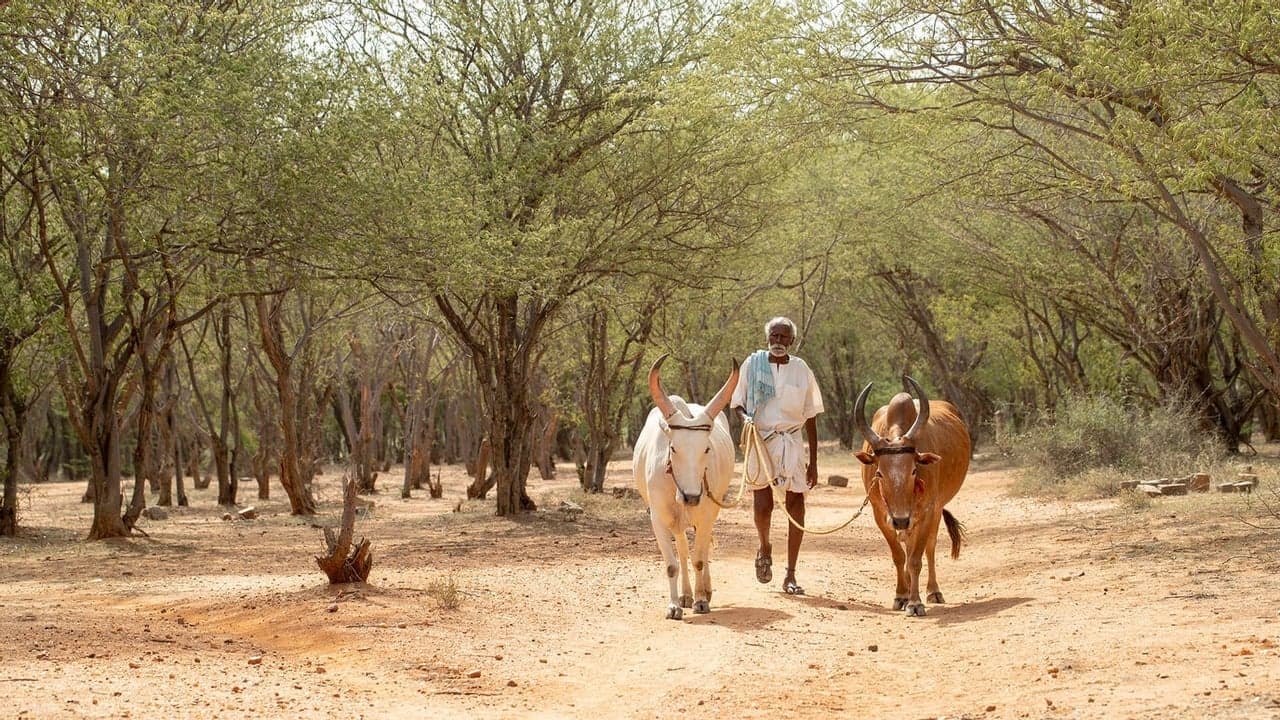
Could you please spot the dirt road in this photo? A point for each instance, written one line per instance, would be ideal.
(1055, 610)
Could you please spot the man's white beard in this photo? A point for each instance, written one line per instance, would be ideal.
(778, 350)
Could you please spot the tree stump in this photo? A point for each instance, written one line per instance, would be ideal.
(435, 488)
(340, 567)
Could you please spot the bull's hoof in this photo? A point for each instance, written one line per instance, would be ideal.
(674, 612)
(899, 603)
(935, 598)
(702, 607)
(915, 610)
(686, 601)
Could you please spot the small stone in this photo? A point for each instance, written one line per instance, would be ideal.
(473, 674)
(838, 481)
(333, 607)
(255, 660)
(511, 683)
(873, 648)
(320, 669)
(248, 513)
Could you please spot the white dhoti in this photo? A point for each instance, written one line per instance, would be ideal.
(787, 463)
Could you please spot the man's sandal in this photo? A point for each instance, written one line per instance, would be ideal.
(789, 585)
(764, 567)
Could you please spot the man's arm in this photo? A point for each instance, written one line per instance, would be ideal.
(811, 434)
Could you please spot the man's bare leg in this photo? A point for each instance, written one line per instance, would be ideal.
(795, 508)
(762, 504)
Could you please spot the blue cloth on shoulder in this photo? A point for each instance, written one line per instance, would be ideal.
(759, 381)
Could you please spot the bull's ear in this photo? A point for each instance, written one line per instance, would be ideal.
(866, 457)
(927, 458)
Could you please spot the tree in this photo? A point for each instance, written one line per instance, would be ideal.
(1161, 104)
(136, 109)
(27, 302)
(587, 146)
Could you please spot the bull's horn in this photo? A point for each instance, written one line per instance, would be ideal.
(860, 418)
(660, 398)
(922, 415)
(721, 399)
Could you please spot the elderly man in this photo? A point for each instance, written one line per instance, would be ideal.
(779, 393)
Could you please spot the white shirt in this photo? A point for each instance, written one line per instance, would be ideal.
(796, 398)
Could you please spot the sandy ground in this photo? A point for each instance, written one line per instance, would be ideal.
(1055, 610)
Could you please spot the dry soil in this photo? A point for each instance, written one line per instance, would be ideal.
(1055, 609)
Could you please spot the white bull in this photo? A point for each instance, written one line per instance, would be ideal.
(684, 452)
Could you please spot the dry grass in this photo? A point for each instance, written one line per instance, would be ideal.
(446, 594)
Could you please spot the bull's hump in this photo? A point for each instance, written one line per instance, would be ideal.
(900, 412)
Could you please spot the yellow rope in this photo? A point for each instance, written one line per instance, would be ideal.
(743, 482)
(753, 444)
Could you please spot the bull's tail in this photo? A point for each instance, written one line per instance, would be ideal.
(955, 529)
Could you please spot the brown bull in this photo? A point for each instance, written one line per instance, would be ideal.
(914, 462)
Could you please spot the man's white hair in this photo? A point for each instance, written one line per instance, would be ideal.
(780, 320)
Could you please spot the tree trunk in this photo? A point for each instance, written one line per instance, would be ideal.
(511, 441)
(9, 506)
(546, 444)
(597, 465)
(482, 480)
(11, 413)
(221, 465)
(164, 479)
(291, 473)
(104, 479)
(268, 439)
(417, 463)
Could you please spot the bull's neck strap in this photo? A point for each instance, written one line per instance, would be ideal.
(895, 450)
(690, 427)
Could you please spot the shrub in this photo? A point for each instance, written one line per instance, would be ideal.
(1094, 442)
(1134, 501)
(445, 593)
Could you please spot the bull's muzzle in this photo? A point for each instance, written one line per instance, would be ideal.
(690, 500)
(901, 523)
